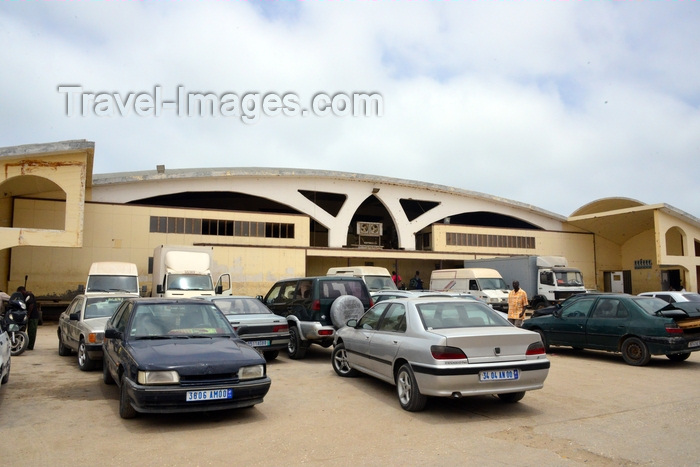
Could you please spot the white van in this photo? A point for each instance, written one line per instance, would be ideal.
(376, 278)
(486, 284)
(112, 276)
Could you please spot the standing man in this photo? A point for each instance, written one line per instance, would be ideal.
(32, 314)
(517, 301)
(416, 283)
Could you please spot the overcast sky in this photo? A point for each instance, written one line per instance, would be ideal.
(550, 103)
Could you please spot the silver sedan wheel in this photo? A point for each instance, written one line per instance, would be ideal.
(410, 397)
(340, 361)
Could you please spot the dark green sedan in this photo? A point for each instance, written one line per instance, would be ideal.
(637, 327)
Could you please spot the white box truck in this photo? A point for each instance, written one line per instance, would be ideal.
(112, 276)
(376, 278)
(186, 271)
(546, 279)
(486, 284)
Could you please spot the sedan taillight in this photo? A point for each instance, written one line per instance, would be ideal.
(673, 329)
(536, 348)
(441, 352)
(280, 328)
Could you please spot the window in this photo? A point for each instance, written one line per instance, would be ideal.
(486, 240)
(578, 309)
(370, 320)
(395, 319)
(221, 228)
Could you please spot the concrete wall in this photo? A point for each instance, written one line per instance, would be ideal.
(121, 233)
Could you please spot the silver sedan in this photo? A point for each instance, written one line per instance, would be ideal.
(254, 323)
(444, 347)
(81, 327)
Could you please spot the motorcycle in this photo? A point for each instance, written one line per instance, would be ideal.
(14, 320)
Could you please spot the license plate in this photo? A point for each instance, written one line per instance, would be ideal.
(499, 375)
(259, 343)
(693, 344)
(211, 394)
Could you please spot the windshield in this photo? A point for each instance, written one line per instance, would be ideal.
(375, 283)
(458, 314)
(569, 278)
(241, 306)
(492, 283)
(101, 307)
(189, 282)
(650, 304)
(112, 284)
(178, 319)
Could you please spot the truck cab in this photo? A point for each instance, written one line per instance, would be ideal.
(486, 284)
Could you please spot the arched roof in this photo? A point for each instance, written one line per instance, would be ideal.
(605, 205)
(289, 186)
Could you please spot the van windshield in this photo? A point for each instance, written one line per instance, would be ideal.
(375, 283)
(112, 284)
(492, 283)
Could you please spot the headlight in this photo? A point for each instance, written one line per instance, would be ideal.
(251, 372)
(158, 377)
(96, 337)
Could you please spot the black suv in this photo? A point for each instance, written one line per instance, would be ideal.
(306, 303)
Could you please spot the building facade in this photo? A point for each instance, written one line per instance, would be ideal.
(266, 224)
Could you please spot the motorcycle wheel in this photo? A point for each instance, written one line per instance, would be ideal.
(19, 340)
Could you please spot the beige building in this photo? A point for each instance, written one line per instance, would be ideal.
(266, 224)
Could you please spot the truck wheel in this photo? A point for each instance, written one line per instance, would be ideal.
(295, 348)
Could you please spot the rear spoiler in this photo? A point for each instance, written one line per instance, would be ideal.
(681, 310)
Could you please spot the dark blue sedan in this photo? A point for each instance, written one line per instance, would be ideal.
(170, 355)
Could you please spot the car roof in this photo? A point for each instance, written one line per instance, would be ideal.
(160, 300)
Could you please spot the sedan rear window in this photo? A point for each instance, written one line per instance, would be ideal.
(649, 304)
(462, 314)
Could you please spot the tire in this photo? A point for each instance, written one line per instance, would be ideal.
(271, 355)
(339, 360)
(544, 339)
(6, 378)
(63, 350)
(344, 308)
(295, 348)
(106, 375)
(678, 357)
(511, 397)
(635, 352)
(126, 410)
(85, 363)
(407, 390)
(20, 344)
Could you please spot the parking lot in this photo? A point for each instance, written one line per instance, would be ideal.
(593, 410)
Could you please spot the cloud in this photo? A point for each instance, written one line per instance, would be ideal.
(554, 104)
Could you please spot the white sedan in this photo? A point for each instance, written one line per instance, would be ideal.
(443, 347)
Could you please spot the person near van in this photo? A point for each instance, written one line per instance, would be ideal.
(397, 279)
(517, 301)
(416, 283)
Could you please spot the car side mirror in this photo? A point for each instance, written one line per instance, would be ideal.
(557, 313)
(351, 323)
(111, 333)
(74, 316)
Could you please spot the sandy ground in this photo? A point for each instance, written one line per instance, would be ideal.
(593, 410)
